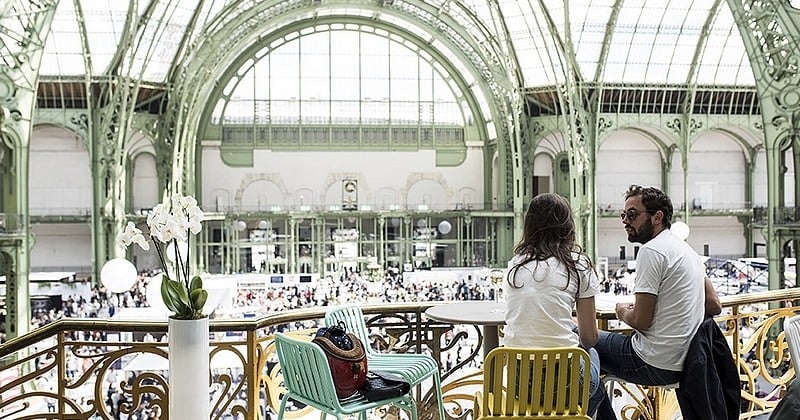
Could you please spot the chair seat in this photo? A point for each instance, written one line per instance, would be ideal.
(414, 368)
(356, 403)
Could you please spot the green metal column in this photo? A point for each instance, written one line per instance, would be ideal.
(770, 33)
(28, 23)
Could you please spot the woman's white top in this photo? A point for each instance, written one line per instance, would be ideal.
(540, 311)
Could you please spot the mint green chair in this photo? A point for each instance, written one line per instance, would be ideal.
(414, 368)
(308, 379)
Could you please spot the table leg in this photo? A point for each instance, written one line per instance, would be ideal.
(491, 338)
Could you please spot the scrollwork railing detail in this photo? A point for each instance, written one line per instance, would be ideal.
(51, 374)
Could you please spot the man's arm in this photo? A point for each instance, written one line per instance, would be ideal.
(587, 321)
(713, 305)
(639, 315)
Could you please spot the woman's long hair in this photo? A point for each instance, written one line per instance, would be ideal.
(549, 231)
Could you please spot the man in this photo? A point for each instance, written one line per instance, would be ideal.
(671, 291)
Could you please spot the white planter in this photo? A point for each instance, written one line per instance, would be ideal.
(188, 369)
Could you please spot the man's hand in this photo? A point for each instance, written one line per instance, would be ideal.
(622, 310)
(638, 315)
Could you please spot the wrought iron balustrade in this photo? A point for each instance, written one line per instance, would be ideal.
(64, 370)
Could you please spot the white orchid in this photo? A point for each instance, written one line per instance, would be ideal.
(171, 223)
(133, 235)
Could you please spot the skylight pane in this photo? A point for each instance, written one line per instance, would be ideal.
(589, 19)
(63, 54)
(648, 35)
(538, 60)
(724, 59)
(104, 27)
(160, 39)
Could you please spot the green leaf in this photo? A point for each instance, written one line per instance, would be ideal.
(197, 283)
(198, 298)
(175, 296)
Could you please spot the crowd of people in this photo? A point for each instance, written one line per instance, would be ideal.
(548, 278)
(348, 286)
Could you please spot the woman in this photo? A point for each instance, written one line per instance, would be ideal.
(549, 275)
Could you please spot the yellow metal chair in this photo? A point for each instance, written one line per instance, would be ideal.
(537, 383)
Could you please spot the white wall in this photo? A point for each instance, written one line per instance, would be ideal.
(60, 174)
(625, 158)
(60, 246)
(716, 177)
(384, 179)
(716, 173)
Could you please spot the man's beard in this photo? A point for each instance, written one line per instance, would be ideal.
(644, 234)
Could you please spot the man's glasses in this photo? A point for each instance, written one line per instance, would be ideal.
(631, 214)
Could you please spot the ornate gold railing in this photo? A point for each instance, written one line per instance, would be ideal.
(88, 369)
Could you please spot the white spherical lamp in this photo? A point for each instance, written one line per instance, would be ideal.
(153, 294)
(183, 249)
(241, 225)
(445, 227)
(680, 229)
(118, 275)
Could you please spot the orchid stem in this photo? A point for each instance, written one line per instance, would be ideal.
(160, 256)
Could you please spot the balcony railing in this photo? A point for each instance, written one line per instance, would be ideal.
(88, 368)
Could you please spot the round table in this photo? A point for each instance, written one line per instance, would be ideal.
(489, 314)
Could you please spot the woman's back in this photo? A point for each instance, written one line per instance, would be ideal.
(540, 307)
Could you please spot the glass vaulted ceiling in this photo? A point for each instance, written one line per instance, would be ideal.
(659, 42)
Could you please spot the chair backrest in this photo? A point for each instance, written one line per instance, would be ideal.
(536, 383)
(353, 319)
(791, 329)
(306, 372)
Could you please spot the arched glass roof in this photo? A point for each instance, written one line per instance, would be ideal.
(632, 42)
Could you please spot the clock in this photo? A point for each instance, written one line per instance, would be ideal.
(350, 194)
(350, 185)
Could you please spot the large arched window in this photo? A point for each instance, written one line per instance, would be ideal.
(327, 78)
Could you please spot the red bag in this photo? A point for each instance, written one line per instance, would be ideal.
(346, 357)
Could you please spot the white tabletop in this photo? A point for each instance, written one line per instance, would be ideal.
(478, 312)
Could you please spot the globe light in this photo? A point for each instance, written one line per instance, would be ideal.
(445, 227)
(241, 225)
(153, 295)
(118, 275)
(680, 229)
(183, 249)
(263, 224)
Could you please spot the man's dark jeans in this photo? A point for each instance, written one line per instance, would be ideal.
(617, 358)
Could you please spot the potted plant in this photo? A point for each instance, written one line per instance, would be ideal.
(170, 225)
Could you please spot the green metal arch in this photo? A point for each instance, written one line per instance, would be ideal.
(653, 134)
(748, 149)
(436, 57)
(209, 63)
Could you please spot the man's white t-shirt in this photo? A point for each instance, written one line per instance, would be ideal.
(669, 268)
(540, 312)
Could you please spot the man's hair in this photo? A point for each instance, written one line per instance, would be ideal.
(653, 200)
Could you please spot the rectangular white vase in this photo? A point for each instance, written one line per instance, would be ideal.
(188, 369)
